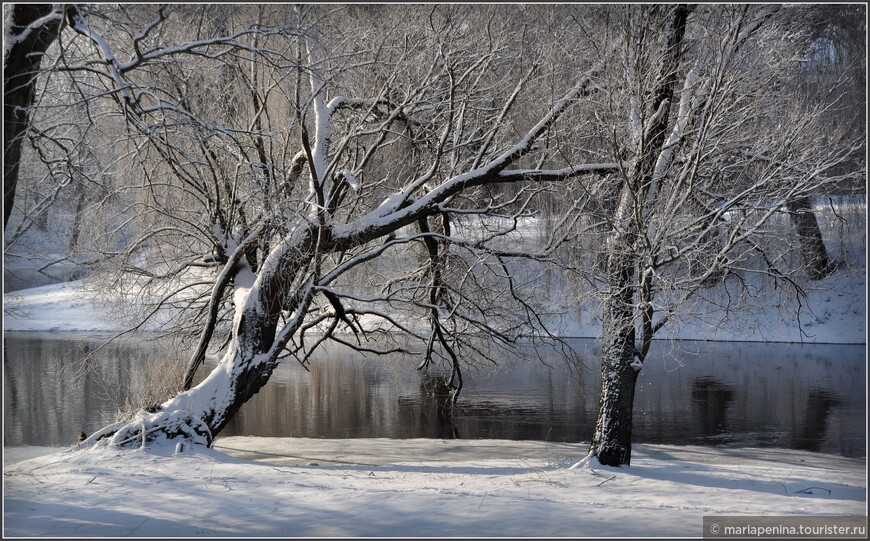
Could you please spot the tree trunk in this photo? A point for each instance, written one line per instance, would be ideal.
(611, 444)
(77, 219)
(200, 413)
(20, 68)
(813, 250)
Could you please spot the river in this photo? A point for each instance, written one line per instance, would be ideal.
(809, 397)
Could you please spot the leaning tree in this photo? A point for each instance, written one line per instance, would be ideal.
(274, 156)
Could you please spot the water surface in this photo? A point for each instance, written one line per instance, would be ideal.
(809, 397)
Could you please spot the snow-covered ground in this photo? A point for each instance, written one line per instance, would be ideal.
(408, 488)
(415, 488)
(834, 311)
(66, 306)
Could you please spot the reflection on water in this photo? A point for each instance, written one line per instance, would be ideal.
(49, 396)
(711, 398)
(820, 403)
(689, 393)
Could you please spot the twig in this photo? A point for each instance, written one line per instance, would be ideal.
(139, 526)
(606, 480)
(809, 490)
(42, 268)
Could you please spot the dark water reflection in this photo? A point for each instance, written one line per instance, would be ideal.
(689, 393)
(711, 399)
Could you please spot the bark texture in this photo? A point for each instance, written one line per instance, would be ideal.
(611, 443)
(813, 250)
(20, 69)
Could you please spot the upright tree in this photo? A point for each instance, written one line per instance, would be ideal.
(833, 72)
(711, 154)
(29, 30)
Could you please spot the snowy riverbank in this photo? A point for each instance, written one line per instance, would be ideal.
(410, 488)
(834, 312)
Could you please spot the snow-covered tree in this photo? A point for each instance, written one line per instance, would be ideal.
(297, 149)
(698, 108)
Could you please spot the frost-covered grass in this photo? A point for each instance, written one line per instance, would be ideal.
(409, 488)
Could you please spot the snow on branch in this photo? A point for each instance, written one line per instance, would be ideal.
(351, 179)
(11, 38)
(524, 145)
(688, 102)
(321, 113)
(105, 51)
(220, 284)
(402, 209)
(230, 42)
